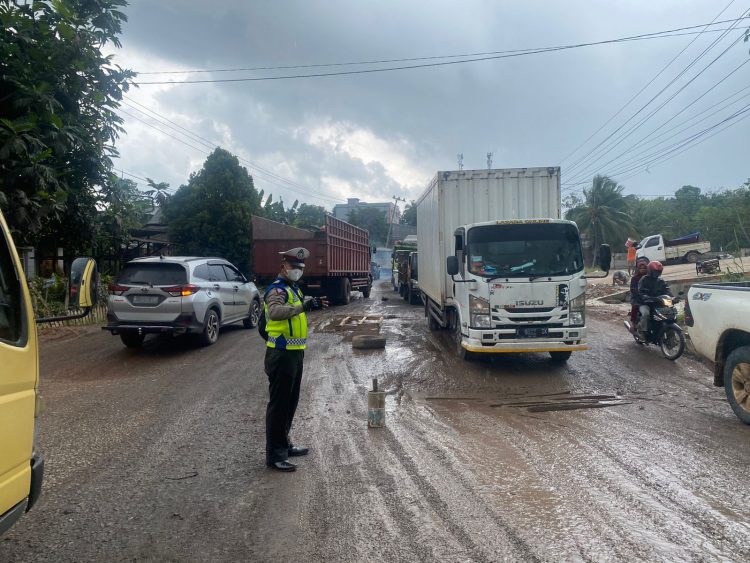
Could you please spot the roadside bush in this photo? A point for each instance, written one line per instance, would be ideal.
(49, 296)
(735, 272)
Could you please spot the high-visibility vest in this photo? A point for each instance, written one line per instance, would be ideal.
(287, 334)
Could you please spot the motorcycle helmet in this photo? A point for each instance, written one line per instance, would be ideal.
(655, 269)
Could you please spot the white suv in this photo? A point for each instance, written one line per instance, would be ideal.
(178, 295)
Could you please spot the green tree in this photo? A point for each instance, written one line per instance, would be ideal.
(603, 215)
(58, 126)
(123, 207)
(409, 216)
(211, 214)
(373, 220)
(157, 192)
(310, 216)
(275, 210)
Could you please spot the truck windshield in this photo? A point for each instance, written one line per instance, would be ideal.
(524, 250)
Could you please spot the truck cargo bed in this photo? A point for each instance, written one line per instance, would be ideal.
(336, 249)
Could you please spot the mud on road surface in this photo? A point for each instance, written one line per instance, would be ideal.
(158, 454)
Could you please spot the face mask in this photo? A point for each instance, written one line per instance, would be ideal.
(294, 275)
(655, 273)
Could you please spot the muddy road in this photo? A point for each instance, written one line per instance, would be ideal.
(158, 455)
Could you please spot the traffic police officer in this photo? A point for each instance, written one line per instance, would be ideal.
(286, 324)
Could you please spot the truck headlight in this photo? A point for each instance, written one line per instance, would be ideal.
(578, 311)
(479, 310)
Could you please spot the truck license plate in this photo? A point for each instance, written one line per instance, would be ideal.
(532, 332)
(145, 299)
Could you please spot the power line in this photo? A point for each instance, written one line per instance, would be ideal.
(587, 172)
(636, 157)
(657, 75)
(401, 60)
(667, 153)
(121, 171)
(269, 177)
(690, 142)
(645, 36)
(643, 120)
(161, 119)
(618, 140)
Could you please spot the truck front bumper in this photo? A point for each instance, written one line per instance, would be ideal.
(565, 339)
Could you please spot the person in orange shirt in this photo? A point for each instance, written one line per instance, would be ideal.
(631, 256)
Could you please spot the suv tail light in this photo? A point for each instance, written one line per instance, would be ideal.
(116, 289)
(182, 290)
(689, 320)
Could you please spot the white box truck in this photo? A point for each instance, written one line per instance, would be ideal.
(497, 265)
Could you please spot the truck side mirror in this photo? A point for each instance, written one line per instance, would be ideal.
(605, 257)
(84, 279)
(452, 265)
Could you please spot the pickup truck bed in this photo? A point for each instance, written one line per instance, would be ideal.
(718, 317)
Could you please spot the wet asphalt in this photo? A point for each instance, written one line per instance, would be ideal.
(158, 454)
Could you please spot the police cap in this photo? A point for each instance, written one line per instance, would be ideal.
(296, 256)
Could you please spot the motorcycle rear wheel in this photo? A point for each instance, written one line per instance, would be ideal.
(672, 343)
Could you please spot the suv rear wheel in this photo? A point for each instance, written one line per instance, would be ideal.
(210, 332)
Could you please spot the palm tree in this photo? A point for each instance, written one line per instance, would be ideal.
(603, 214)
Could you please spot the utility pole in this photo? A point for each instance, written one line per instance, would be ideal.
(396, 199)
(489, 161)
(460, 157)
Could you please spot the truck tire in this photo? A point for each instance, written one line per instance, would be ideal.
(346, 291)
(366, 291)
(405, 292)
(368, 341)
(560, 357)
(132, 339)
(210, 333)
(461, 352)
(414, 297)
(737, 382)
(692, 257)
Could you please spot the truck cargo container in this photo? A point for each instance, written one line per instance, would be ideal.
(497, 265)
(339, 259)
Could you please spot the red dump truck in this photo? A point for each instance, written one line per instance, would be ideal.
(339, 256)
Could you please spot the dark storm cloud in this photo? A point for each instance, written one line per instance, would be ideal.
(387, 133)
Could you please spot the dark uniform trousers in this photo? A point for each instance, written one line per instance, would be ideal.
(284, 371)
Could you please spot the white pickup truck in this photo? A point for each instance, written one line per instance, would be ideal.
(718, 317)
(685, 249)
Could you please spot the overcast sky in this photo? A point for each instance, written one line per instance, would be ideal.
(377, 135)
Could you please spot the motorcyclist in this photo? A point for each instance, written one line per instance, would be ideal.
(641, 269)
(650, 286)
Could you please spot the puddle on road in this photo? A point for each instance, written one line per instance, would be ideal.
(564, 401)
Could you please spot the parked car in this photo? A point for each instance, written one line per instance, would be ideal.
(179, 295)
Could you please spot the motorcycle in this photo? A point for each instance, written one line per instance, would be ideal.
(663, 330)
